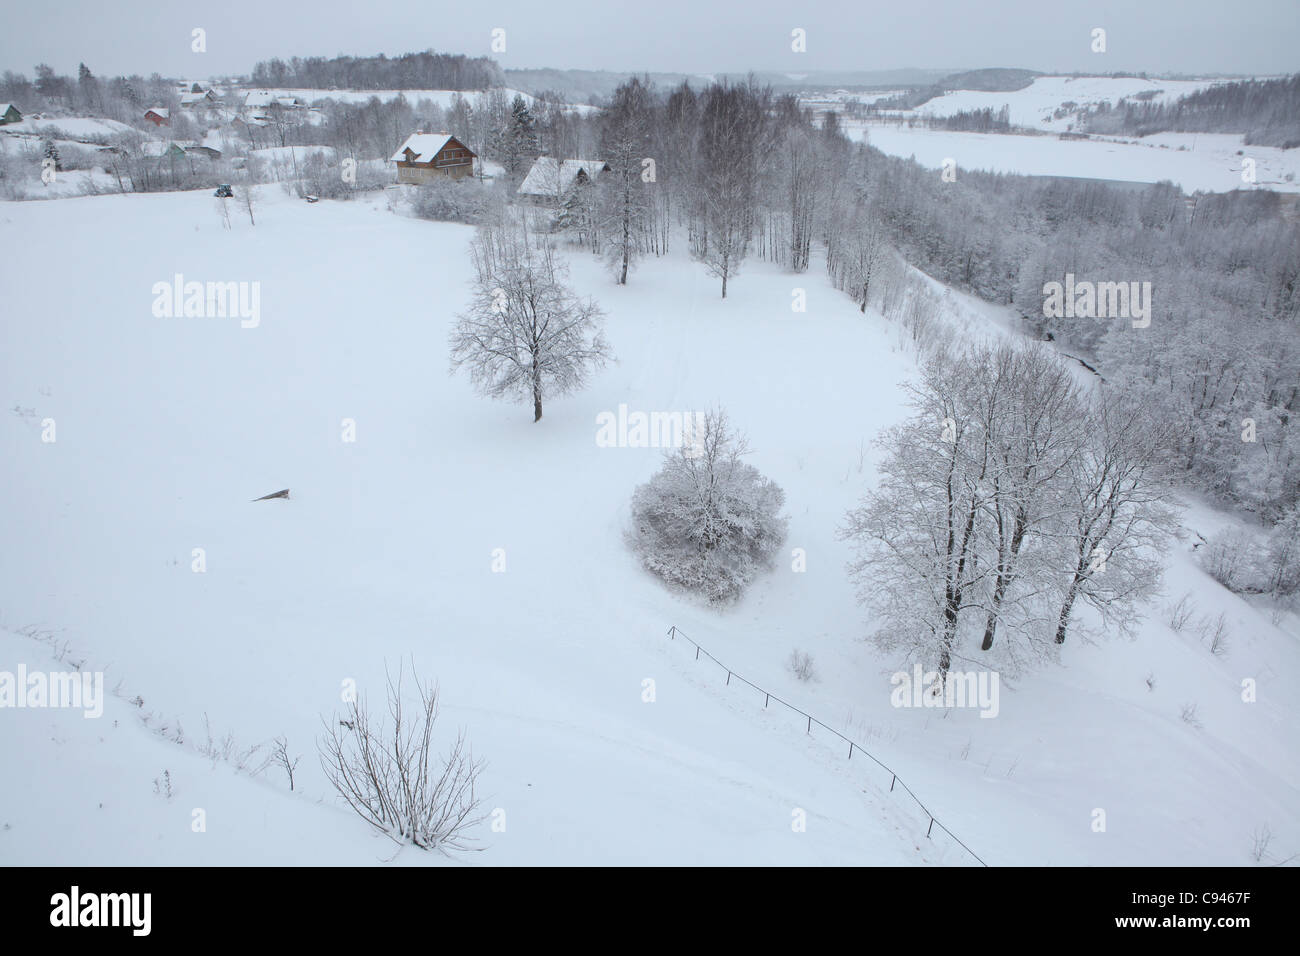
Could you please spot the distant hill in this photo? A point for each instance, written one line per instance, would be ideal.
(995, 79)
(586, 86)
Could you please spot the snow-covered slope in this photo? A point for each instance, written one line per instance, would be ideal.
(166, 428)
(1036, 105)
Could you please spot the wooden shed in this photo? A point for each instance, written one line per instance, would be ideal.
(425, 157)
(9, 114)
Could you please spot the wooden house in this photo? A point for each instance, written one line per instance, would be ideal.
(9, 114)
(158, 116)
(550, 181)
(425, 157)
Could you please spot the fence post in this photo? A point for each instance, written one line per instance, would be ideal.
(697, 652)
(672, 633)
(850, 750)
(892, 782)
(728, 678)
(766, 698)
(931, 827)
(810, 723)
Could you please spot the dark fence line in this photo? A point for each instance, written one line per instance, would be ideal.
(674, 632)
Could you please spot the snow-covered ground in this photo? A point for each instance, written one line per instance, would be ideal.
(1036, 105)
(66, 127)
(166, 428)
(1208, 162)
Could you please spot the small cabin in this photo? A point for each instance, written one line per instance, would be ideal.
(9, 114)
(425, 157)
(198, 99)
(158, 116)
(551, 180)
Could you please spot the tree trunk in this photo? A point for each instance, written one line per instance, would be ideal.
(1064, 621)
(537, 393)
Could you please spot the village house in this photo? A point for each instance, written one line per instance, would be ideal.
(550, 181)
(425, 157)
(162, 151)
(158, 116)
(199, 100)
(9, 114)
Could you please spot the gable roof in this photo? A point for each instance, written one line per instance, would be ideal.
(156, 149)
(156, 110)
(425, 146)
(6, 107)
(258, 98)
(551, 177)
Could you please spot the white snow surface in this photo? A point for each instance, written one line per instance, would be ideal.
(166, 428)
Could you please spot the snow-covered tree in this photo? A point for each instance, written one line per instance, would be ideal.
(707, 521)
(517, 142)
(526, 334)
(917, 535)
(1114, 514)
(625, 141)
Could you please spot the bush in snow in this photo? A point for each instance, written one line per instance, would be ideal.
(800, 665)
(708, 522)
(445, 200)
(390, 775)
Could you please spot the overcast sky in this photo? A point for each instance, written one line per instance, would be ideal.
(1189, 36)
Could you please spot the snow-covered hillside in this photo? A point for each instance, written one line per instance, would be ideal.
(1037, 105)
(383, 553)
(1208, 162)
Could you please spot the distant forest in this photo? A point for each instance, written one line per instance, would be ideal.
(410, 71)
(1267, 112)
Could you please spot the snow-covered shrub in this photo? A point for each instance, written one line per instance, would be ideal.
(800, 665)
(387, 774)
(322, 175)
(446, 200)
(1228, 559)
(1282, 559)
(708, 522)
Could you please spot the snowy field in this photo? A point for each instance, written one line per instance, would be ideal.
(1036, 104)
(166, 428)
(1207, 162)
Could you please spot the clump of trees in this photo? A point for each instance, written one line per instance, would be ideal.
(426, 70)
(526, 334)
(708, 522)
(1011, 497)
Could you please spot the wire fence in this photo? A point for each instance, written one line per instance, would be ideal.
(674, 633)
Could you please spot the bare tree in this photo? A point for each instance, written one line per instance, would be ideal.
(731, 126)
(390, 775)
(525, 333)
(625, 139)
(1115, 513)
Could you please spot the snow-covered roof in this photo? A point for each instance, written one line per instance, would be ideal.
(425, 146)
(155, 149)
(157, 110)
(190, 98)
(259, 98)
(4, 108)
(551, 177)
